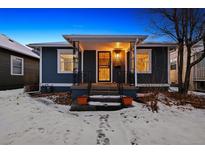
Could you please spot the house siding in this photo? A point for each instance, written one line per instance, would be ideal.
(31, 71)
(89, 65)
(159, 74)
(159, 64)
(119, 67)
(49, 67)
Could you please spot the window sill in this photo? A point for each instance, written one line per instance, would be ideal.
(17, 74)
(65, 72)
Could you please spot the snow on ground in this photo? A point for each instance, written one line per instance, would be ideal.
(24, 120)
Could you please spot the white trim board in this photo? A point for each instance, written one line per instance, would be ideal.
(57, 84)
(40, 67)
(168, 65)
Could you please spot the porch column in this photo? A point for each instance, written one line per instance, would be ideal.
(82, 65)
(135, 61)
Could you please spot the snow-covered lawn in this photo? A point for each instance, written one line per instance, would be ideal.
(25, 120)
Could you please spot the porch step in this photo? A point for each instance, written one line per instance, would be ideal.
(104, 88)
(98, 99)
(104, 92)
(94, 103)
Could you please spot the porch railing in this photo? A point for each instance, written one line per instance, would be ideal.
(124, 77)
(120, 80)
(83, 77)
(86, 77)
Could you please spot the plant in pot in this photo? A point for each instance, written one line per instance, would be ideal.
(82, 100)
(127, 101)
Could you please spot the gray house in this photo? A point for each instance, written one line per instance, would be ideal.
(103, 60)
(197, 76)
(19, 66)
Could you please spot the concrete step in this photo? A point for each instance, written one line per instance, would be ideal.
(98, 99)
(96, 103)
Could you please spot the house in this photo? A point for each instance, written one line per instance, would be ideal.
(19, 66)
(103, 60)
(197, 77)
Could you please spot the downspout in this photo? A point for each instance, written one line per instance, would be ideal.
(40, 70)
(82, 52)
(135, 62)
(168, 65)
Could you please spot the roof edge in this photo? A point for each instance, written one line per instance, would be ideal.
(36, 56)
(50, 44)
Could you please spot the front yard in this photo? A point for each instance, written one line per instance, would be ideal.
(26, 120)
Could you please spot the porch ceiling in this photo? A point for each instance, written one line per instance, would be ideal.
(105, 46)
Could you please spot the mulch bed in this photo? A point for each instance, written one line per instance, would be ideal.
(63, 98)
(172, 98)
(184, 99)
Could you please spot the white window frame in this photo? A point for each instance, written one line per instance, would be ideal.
(150, 60)
(11, 65)
(61, 51)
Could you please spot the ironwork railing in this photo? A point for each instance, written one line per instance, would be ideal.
(120, 81)
(83, 77)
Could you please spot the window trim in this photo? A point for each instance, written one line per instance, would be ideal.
(11, 65)
(150, 60)
(60, 51)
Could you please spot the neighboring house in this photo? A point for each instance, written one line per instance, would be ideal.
(103, 59)
(19, 66)
(197, 77)
(173, 67)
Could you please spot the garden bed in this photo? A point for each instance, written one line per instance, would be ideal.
(63, 98)
(172, 98)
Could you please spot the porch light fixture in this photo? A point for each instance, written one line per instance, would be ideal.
(117, 56)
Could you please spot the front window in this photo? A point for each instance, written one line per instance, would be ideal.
(65, 61)
(17, 65)
(143, 61)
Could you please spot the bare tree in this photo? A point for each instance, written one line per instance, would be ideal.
(186, 27)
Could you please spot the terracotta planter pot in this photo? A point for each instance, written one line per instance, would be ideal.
(82, 100)
(127, 101)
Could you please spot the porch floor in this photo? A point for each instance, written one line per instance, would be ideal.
(103, 86)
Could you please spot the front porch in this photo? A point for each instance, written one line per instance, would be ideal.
(101, 58)
(101, 96)
(110, 65)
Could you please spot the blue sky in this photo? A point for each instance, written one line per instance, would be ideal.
(47, 25)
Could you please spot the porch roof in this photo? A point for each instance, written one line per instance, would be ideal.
(105, 38)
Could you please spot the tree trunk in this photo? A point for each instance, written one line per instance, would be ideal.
(187, 80)
(180, 67)
(188, 69)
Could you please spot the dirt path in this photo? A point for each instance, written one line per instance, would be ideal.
(103, 128)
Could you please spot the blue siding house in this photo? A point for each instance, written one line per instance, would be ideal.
(104, 60)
